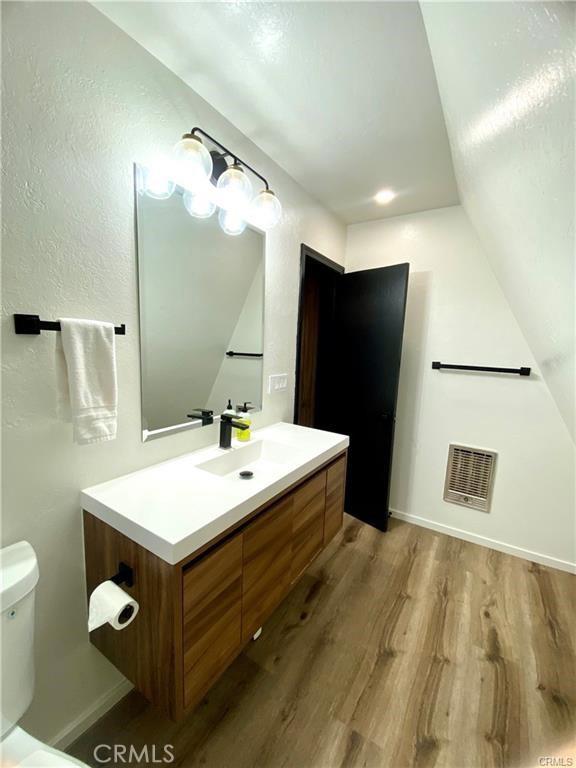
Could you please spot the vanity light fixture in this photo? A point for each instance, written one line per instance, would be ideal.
(218, 178)
(265, 210)
(235, 189)
(192, 160)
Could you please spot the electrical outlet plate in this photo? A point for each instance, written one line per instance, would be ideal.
(277, 382)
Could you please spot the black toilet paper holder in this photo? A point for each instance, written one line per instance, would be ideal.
(125, 575)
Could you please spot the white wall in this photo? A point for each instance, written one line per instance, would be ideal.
(82, 102)
(457, 313)
(506, 74)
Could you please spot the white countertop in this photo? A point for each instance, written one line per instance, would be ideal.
(174, 508)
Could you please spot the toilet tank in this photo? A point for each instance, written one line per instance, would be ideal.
(18, 579)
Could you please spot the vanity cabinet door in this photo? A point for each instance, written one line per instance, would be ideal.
(267, 558)
(308, 523)
(212, 614)
(335, 488)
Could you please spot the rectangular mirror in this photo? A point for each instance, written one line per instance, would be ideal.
(201, 313)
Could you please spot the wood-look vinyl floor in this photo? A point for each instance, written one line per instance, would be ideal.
(406, 649)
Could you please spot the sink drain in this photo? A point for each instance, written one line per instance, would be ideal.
(246, 474)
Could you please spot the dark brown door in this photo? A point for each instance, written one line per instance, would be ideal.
(318, 278)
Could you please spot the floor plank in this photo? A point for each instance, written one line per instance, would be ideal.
(405, 649)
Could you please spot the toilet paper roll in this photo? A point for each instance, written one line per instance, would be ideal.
(109, 603)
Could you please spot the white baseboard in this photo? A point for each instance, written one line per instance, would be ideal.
(90, 715)
(483, 541)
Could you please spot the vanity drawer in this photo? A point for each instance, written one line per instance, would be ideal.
(199, 679)
(267, 559)
(335, 489)
(212, 616)
(308, 523)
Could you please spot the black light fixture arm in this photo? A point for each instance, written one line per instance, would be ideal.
(237, 160)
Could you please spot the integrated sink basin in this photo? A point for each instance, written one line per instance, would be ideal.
(176, 507)
(261, 456)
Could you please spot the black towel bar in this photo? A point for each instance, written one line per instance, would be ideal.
(230, 353)
(519, 371)
(31, 324)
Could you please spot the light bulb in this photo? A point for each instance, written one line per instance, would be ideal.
(265, 210)
(234, 189)
(199, 204)
(192, 160)
(155, 182)
(231, 222)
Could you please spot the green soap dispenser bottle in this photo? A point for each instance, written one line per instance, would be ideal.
(243, 435)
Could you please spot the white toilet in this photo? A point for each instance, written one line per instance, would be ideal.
(18, 579)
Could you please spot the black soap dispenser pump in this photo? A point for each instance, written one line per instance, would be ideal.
(244, 416)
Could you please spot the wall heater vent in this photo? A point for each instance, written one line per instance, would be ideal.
(469, 477)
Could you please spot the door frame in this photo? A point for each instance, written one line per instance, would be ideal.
(307, 254)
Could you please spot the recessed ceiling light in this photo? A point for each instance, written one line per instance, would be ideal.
(384, 196)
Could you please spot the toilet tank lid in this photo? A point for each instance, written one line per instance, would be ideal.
(18, 573)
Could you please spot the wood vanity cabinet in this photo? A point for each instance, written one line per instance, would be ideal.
(196, 616)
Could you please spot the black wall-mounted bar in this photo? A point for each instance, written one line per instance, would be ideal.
(230, 353)
(519, 371)
(31, 324)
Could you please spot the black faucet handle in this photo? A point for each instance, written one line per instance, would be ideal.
(230, 418)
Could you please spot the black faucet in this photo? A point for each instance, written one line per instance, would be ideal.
(227, 424)
(206, 416)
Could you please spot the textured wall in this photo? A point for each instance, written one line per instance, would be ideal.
(506, 77)
(457, 313)
(82, 102)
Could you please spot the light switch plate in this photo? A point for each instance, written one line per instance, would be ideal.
(277, 382)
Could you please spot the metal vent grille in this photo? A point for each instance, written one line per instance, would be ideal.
(469, 477)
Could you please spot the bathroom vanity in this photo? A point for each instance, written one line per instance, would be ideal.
(212, 554)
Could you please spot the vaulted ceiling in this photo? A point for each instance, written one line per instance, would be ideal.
(342, 95)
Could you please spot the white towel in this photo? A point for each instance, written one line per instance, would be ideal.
(90, 353)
